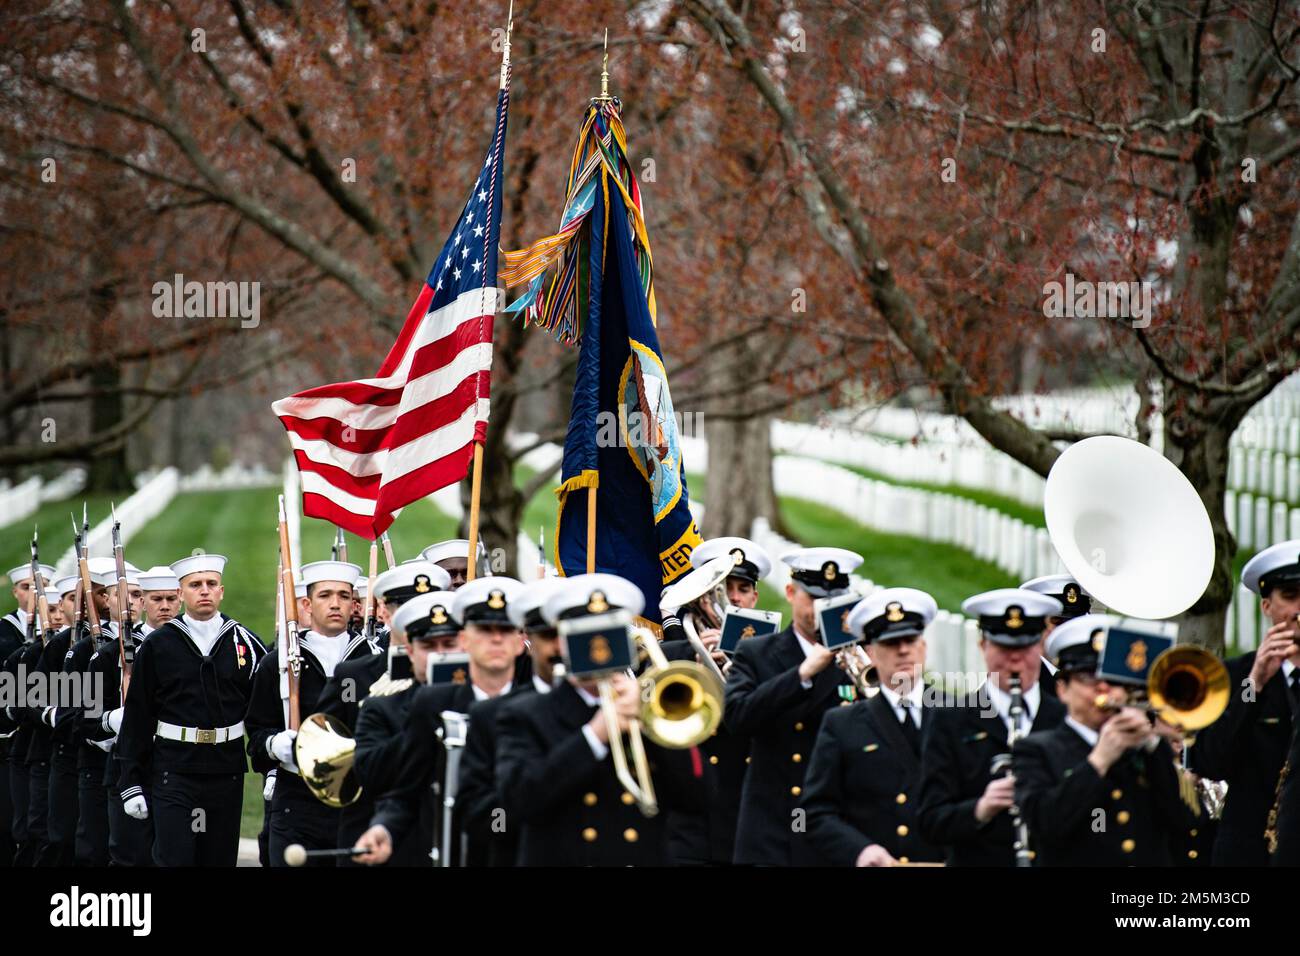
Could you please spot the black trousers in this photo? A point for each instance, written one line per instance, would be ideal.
(38, 807)
(92, 817)
(7, 845)
(130, 841)
(61, 826)
(314, 825)
(196, 818)
(20, 792)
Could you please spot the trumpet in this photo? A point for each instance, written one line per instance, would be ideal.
(682, 704)
(853, 660)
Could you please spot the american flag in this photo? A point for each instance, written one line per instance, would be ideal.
(368, 448)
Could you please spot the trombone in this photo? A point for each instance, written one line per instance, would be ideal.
(681, 706)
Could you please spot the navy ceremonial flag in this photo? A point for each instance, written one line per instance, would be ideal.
(622, 444)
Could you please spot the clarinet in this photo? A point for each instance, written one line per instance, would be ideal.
(1002, 764)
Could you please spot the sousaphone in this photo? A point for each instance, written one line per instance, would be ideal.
(1129, 527)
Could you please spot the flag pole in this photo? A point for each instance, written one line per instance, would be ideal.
(591, 492)
(476, 484)
(471, 565)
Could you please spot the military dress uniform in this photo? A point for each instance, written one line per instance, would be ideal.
(1059, 792)
(555, 777)
(865, 771)
(127, 841)
(1283, 831)
(421, 763)
(1247, 746)
(61, 746)
(709, 838)
(13, 635)
(91, 837)
(353, 680)
(958, 750)
(182, 731)
(767, 702)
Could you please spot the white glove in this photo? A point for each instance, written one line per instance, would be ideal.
(281, 748)
(112, 720)
(268, 791)
(136, 808)
(47, 716)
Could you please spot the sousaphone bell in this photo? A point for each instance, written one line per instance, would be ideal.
(324, 751)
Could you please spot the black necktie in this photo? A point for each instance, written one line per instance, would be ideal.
(908, 725)
(1294, 690)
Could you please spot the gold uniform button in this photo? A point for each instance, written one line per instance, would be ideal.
(799, 726)
(627, 799)
(1122, 816)
(1192, 854)
(746, 760)
(630, 835)
(796, 757)
(1192, 832)
(796, 790)
(902, 829)
(901, 799)
(1128, 846)
(1116, 794)
(714, 760)
(903, 861)
(589, 799)
(589, 834)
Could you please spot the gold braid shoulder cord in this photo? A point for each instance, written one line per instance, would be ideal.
(1270, 831)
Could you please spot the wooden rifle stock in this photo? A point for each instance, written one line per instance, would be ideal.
(290, 635)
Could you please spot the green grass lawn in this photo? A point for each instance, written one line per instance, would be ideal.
(52, 519)
(1026, 513)
(895, 560)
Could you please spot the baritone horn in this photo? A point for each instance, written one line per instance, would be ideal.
(703, 591)
(324, 751)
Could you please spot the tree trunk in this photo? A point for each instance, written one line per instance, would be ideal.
(740, 486)
(106, 471)
(1201, 453)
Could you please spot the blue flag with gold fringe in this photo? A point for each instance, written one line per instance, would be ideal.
(623, 444)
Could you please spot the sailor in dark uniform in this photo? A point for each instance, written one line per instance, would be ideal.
(493, 643)
(1247, 746)
(1100, 788)
(710, 838)
(1075, 602)
(61, 826)
(861, 788)
(492, 842)
(181, 731)
(92, 788)
(451, 556)
(401, 829)
(1283, 831)
(554, 771)
(963, 806)
(778, 689)
(15, 727)
(130, 840)
(386, 673)
(33, 660)
(297, 816)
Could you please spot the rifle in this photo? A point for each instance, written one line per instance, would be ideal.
(79, 617)
(83, 568)
(42, 602)
(291, 656)
(369, 628)
(123, 605)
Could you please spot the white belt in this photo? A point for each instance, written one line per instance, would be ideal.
(197, 735)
